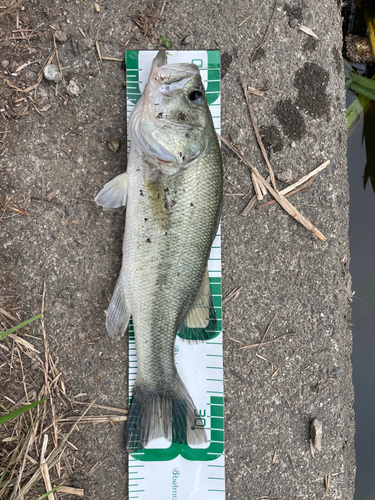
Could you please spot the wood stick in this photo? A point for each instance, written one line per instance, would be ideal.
(253, 121)
(300, 188)
(258, 191)
(280, 199)
(9, 9)
(111, 59)
(305, 178)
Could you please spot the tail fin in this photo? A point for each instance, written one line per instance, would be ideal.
(170, 414)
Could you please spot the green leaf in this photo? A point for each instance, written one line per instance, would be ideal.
(360, 84)
(21, 325)
(20, 411)
(163, 40)
(367, 83)
(49, 492)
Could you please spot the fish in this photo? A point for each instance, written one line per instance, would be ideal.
(173, 191)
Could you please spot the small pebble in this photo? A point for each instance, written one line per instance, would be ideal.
(292, 144)
(52, 73)
(85, 44)
(189, 39)
(61, 36)
(4, 64)
(293, 23)
(73, 88)
(335, 335)
(336, 372)
(114, 145)
(96, 7)
(322, 374)
(285, 176)
(13, 67)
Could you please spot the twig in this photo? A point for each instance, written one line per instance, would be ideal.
(231, 338)
(232, 295)
(95, 419)
(259, 139)
(238, 375)
(305, 178)
(301, 188)
(103, 58)
(231, 183)
(280, 199)
(98, 50)
(9, 9)
(258, 191)
(252, 202)
(161, 13)
(111, 408)
(244, 21)
(265, 333)
(327, 480)
(258, 344)
(265, 35)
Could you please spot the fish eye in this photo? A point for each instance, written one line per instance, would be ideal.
(195, 96)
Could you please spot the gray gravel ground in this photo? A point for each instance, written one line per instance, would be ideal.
(76, 248)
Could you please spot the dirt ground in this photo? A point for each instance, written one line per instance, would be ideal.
(61, 142)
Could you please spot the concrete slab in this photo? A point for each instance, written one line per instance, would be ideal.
(272, 394)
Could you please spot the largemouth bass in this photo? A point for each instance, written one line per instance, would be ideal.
(173, 194)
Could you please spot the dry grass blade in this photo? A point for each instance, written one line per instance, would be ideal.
(297, 190)
(95, 419)
(232, 295)
(44, 468)
(23, 343)
(71, 491)
(305, 178)
(51, 460)
(257, 189)
(9, 9)
(279, 198)
(109, 408)
(258, 344)
(252, 117)
(29, 443)
(231, 338)
(265, 34)
(327, 480)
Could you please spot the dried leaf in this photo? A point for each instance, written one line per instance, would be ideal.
(308, 31)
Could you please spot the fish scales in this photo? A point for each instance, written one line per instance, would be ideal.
(173, 195)
(173, 247)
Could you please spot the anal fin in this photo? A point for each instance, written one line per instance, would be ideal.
(200, 322)
(118, 314)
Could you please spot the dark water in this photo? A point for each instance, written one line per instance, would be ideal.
(362, 248)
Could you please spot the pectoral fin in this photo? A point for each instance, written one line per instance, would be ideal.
(114, 193)
(118, 314)
(200, 321)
